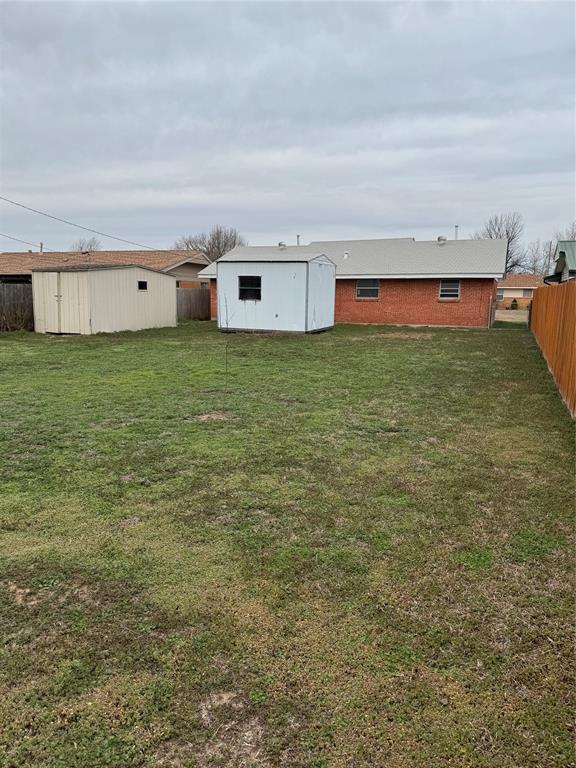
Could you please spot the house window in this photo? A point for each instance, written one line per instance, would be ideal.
(142, 285)
(177, 283)
(367, 289)
(527, 293)
(449, 289)
(500, 294)
(250, 288)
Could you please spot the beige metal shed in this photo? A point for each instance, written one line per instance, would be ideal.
(101, 298)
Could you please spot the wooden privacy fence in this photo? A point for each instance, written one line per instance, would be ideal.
(16, 308)
(193, 303)
(553, 323)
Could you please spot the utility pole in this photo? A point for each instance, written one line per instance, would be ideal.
(41, 247)
(297, 239)
(456, 232)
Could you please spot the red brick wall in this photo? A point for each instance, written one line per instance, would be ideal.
(416, 302)
(213, 301)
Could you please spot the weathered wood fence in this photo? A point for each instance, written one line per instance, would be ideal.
(16, 308)
(193, 303)
(553, 323)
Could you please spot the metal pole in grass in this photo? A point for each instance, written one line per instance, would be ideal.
(226, 346)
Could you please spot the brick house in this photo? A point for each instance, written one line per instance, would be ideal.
(516, 291)
(409, 282)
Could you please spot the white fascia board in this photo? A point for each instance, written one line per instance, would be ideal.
(458, 276)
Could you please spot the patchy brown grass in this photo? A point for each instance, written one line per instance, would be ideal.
(367, 562)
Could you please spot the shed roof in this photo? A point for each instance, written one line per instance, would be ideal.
(400, 258)
(94, 267)
(23, 262)
(288, 253)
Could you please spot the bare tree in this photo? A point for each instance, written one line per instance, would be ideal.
(213, 244)
(539, 256)
(509, 227)
(568, 234)
(86, 244)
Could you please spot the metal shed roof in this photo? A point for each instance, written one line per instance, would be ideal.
(289, 253)
(93, 267)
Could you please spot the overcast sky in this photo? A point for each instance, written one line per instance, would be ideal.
(153, 120)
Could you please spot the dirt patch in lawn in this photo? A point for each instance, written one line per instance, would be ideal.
(81, 593)
(401, 335)
(234, 737)
(213, 416)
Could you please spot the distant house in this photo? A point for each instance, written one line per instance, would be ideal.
(516, 291)
(16, 267)
(406, 282)
(565, 257)
(289, 289)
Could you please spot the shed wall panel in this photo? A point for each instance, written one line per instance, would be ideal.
(283, 299)
(118, 305)
(321, 290)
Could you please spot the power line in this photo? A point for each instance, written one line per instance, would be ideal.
(79, 226)
(18, 240)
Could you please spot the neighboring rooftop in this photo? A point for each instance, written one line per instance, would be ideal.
(395, 258)
(23, 262)
(521, 281)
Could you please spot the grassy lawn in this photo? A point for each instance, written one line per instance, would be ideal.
(354, 550)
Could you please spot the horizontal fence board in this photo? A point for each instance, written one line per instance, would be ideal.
(193, 303)
(16, 307)
(553, 323)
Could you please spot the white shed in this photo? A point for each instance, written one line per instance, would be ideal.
(275, 289)
(102, 298)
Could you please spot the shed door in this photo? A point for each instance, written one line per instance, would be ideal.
(70, 302)
(51, 301)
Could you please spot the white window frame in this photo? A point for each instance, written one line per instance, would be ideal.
(451, 295)
(249, 288)
(500, 294)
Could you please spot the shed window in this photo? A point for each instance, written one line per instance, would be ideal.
(449, 289)
(527, 293)
(250, 288)
(142, 285)
(367, 289)
(500, 294)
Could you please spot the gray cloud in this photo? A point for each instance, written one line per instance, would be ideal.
(331, 120)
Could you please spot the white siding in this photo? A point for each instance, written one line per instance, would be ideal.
(321, 294)
(283, 303)
(118, 305)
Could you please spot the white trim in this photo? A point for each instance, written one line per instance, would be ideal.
(440, 276)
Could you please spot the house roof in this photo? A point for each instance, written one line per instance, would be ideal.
(289, 253)
(521, 281)
(23, 262)
(406, 257)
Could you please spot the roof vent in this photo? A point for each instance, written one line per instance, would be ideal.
(282, 246)
(441, 240)
(346, 254)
